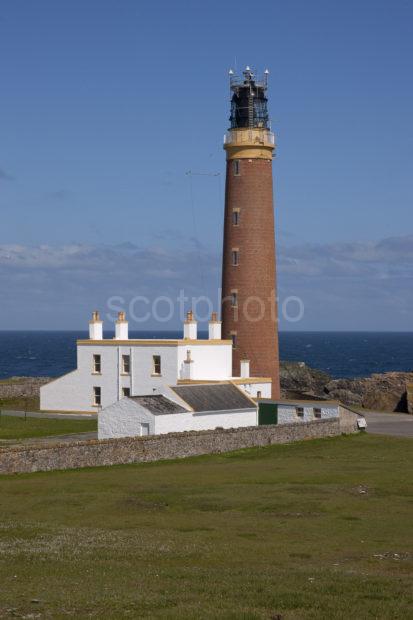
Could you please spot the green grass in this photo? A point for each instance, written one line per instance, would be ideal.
(19, 428)
(319, 529)
(20, 403)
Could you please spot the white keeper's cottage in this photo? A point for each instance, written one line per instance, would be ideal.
(111, 369)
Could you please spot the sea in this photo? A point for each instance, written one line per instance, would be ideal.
(340, 354)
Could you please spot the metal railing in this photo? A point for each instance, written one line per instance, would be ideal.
(254, 136)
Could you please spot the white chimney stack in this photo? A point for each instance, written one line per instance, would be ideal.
(214, 328)
(95, 327)
(190, 327)
(121, 327)
(245, 369)
(188, 371)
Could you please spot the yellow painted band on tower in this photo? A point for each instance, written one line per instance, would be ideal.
(256, 143)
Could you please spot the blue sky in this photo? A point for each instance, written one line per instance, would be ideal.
(106, 105)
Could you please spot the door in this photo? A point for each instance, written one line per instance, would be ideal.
(267, 413)
(144, 428)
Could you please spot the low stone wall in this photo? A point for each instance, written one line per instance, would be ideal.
(157, 447)
(409, 393)
(22, 387)
(348, 419)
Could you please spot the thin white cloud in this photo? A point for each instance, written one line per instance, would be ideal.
(343, 285)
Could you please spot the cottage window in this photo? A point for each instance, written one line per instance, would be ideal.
(125, 391)
(126, 364)
(299, 411)
(97, 396)
(156, 364)
(97, 364)
(317, 413)
(259, 393)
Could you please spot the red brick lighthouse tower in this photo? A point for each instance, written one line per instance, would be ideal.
(249, 308)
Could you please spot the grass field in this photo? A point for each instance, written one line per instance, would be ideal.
(319, 529)
(19, 428)
(20, 403)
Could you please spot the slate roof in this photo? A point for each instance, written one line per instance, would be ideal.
(213, 397)
(158, 404)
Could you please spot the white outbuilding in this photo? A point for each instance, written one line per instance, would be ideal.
(285, 411)
(180, 408)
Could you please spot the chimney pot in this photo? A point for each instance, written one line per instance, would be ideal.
(245, 369)
(95, 327)
(121, 327)
(190, 327)
(214, 327)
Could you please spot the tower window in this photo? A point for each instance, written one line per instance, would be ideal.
(235, 217)
(235, 258)
(97, 396)
(156, 365)
(234, 339)
(97, 364)
(125, 364)
(237, 168)
(234, 298)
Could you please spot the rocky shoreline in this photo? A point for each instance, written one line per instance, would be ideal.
(387, 391)
(390, 391)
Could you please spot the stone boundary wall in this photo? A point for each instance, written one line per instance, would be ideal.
(22, 387)
(157, 447)
(409, 396)
(348, 419)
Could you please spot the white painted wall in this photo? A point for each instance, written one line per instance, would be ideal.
(143, 381)
(74, 391)
(66, 393)
(124, 419)
(287, 413)
(213, 361)
(252, 389)
(179, 422)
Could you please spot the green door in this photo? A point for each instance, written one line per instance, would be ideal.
(267, 413)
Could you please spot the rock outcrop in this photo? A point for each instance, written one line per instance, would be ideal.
(381, 392)
(298, 378)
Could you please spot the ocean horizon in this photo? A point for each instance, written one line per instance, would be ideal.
(345, 354)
